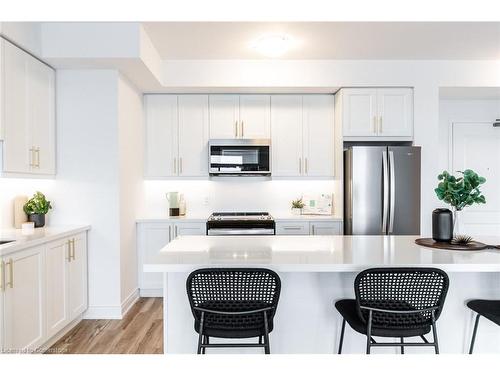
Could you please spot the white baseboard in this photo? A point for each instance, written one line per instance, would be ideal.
(130, 301)
(103, 312)
(157, 292)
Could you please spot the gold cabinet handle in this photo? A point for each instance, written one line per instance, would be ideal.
(242, 129)
(300, 165)
(380, 124)
(169, 233)
(2, 285)
(180, 165)
(69, 250)
(236, 129)
(175, 231)
(10, 264)
(37, 153)
(73, 249)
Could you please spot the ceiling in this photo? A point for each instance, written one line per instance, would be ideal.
(330, 40)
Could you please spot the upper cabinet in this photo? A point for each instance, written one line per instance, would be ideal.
(239, 116)
(176, 135)
(27, 113)
(302, 128)
(376, 113)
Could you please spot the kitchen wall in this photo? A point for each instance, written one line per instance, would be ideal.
(206, 196)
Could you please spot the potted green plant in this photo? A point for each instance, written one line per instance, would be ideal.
(460, 192)
(297, 206)
(36, 208)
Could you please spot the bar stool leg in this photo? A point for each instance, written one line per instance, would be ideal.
(474, 334)
(342, 337)
(434, 333)
(200, 336)
(369, 333)
(267, 349)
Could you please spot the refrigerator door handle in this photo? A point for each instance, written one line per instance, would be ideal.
(385, 201)
(392, 189)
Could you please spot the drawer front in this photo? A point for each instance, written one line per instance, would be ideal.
(292, 228)
(321, 228)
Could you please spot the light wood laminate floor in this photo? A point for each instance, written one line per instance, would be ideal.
(139, 332)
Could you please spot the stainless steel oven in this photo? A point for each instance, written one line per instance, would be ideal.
(239, 157)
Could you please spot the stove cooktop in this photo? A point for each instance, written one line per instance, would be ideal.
(217, 216)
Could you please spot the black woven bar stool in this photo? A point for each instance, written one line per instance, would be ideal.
(395, 302)
(487, 308)
(233, 303)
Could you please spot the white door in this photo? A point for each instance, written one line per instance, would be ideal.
(359, 111)
(325, 228)
(255, 116)
(318, 140)
(193, 228)
(41, 116)
(161, 135)
(395, 111)
(476, 146)
(77, 272)
(23, 300)
(56, 286)
(152, 237)
(193, 135)
(224, 116)
(286, 135)
(17, 150)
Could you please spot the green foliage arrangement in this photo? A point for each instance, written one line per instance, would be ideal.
(37, 205)
(462, 191)
(298, 203)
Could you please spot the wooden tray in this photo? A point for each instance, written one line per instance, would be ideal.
(471, 246)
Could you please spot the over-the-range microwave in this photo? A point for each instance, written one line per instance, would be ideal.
(239, 157)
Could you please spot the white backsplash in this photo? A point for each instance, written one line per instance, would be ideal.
(206, 196)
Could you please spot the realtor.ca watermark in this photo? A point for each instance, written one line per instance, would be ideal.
(34, 351)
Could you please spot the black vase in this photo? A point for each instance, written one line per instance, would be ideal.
(442, 225)
(38, 219)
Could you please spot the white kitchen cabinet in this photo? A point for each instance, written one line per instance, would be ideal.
(318, 138)
(161, 135)
(302, 130)
(255, 116)
(193, 135)
(297, 227)
(77, 275)
(24, 299)
(28, 113)
(376, 113)
(287, 135)
(325, 228)
(151, 237)
(239, 116)
(56, 285)
(224, 116)
(176, 136)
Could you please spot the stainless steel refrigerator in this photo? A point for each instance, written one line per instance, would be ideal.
(382, 190)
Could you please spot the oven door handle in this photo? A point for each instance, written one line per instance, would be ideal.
(235, 232)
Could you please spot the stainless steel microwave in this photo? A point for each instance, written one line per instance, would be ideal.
(239, 157)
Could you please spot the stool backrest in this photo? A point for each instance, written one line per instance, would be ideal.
(402, 289)
(244, 285)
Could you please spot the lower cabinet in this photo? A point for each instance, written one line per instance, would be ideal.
(43, 289)
(298, 227)
(325, 228)
(151, 237)
(306, 227)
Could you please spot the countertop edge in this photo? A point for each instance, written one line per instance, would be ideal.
(15, 247)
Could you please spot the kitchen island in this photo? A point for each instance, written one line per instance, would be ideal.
(318, 270)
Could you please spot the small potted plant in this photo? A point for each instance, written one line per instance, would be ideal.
(460, 192)
(36, 208)
(297, 206)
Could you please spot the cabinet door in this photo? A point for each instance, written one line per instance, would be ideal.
(152, 237)
(56, 286)
(325, 228)
(193, 135)
(255, 116)
(17, 156)
(23, 300)
(286, 132)
(318, 139)
(161, 135)
(77, 272)
(359, 111)
(41, 116)
(224, 116)
(297, 227)
(395, 110)
(2, 119)
(194, 228)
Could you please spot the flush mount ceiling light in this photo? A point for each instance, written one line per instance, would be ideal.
(273, 45)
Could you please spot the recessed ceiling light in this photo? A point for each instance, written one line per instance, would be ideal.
(272, 45)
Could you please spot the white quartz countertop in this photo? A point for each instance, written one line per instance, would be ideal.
(316, 254)
(283, 217)
(25, 239)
